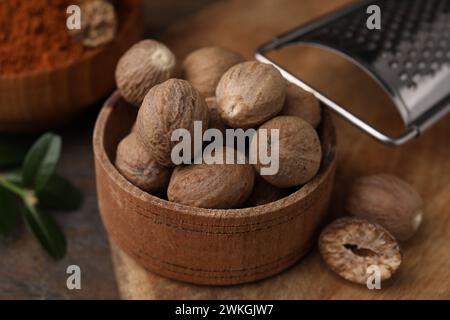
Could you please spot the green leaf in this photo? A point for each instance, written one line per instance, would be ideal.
(59, 194)
(13, 149)
(46, 231)
(9, 212)
(14, 176)
(40, 162)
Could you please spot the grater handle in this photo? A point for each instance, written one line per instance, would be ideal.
(409, 134)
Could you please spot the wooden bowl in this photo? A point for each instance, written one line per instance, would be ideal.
(37, 101)
(205, 246)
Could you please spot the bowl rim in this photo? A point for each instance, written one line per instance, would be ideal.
(102, 159)
(95, 52)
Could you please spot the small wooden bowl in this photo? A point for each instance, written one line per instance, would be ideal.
(204, 246)
(37, 101)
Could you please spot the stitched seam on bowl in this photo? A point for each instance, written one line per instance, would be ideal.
(282, 219)
(262, 266)
(272, 268)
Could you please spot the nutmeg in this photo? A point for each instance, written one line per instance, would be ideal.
(389, 201)
(249, 94)
(98, 23)
(143, 66)
(351, 246)
(171, 105)
(215, 186)
(303, 104)
(204, 67)
(300, 152)
(215, 121)
(264, 193)
(138, 167)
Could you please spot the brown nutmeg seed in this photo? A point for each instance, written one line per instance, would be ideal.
(98, 23)
(133, 128)
(215, 121)
(389, 201)
(171, 105)
(249, 94)
(204, 67)
(264, 193)
(143, 66)
(138, 167)
(303, 104)
(300, 151)
(214, 186)
(350, 246)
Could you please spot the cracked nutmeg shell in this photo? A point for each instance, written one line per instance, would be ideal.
(214, 185)
(138, 167)
(144, 65)
(204, 67)
(169, 106)
(300, 151)
(349, 246)
(249, 94)
(389, 201)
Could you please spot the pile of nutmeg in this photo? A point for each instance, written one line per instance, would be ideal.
(220, 90)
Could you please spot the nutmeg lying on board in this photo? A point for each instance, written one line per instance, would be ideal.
(389, 201)
(351, 246)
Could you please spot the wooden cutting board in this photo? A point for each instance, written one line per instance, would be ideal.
(425, 163)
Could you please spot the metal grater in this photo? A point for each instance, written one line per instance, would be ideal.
(409, 57)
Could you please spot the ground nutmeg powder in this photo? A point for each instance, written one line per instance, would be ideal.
(34, 36)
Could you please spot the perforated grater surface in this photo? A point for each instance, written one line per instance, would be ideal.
(409, 57)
